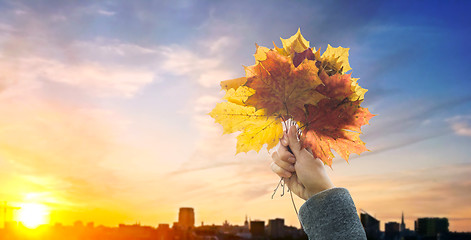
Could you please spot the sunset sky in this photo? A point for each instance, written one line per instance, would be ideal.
(103, 107)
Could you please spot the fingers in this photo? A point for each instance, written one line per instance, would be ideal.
(280, 171)
(283, 159)
(284, 140)
(294, 144)
(285, 165)
(285, 155)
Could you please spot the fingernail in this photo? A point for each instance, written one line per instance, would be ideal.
(291, 159)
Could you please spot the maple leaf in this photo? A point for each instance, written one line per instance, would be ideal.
(295, 44)
(299, 57)
(256, 135)
(358, 92)
(336, 86)
(280, 88)
(257, 127)
(335, 60)
(296, 83)
(233, 83)
(260, 53)
(240, 95)
(334, 124)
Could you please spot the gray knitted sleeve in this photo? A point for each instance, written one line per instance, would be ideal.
(331, 214)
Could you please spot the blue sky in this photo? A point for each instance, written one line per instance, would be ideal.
(109, 100)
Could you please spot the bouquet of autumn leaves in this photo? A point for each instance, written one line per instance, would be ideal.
(298, 84)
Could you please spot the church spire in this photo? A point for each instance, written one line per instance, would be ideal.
(246, 223)
(403, 225)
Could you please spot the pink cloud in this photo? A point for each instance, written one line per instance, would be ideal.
(461, 125)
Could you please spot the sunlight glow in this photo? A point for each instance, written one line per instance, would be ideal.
(31, 215)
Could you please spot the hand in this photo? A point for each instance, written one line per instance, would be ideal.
(302, 173)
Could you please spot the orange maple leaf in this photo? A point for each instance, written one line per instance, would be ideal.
(335, 86)
(281, 88)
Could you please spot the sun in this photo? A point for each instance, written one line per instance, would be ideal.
(31, 215)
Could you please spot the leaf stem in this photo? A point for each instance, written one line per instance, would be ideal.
(274, 191)
(294, 205)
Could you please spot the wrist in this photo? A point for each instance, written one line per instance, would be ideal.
(320, 188)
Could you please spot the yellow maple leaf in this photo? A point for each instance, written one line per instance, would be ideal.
(280, 50)
(260, 53)
(260, 133)
(257, 128)
(240, 95)
(234, 117)
(358, 92)
(233, 83)
(296, 43)
(317, 54)
(336, 60)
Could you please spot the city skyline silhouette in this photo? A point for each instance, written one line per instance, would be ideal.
(185, 228)
(104, 109)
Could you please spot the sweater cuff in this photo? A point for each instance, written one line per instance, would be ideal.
(331, 214)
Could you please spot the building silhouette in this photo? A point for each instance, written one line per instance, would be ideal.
(431, 227)
(403, 225)
(370, 224)
(391, 231)
(276, 228)
(186, 218)
(185, 229)
(257, 228)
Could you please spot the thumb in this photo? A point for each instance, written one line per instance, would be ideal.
(294, 144)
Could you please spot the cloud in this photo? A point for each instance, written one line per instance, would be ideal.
(209, 78)
(106, 13)
(106, 67)
(221, 43)
(205, 69)
(180, 61)
(461, 125)
(395, 145)
(202, 65)
(102, 80)
(6, 28)
(6, 78)
(410, 115)
(102, 67)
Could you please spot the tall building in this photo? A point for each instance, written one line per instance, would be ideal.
(391, 230)
(186, 218)
(276, 228)
(371, 225)
(430, 227)
(257, 228)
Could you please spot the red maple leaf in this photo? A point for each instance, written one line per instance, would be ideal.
(334, 124)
